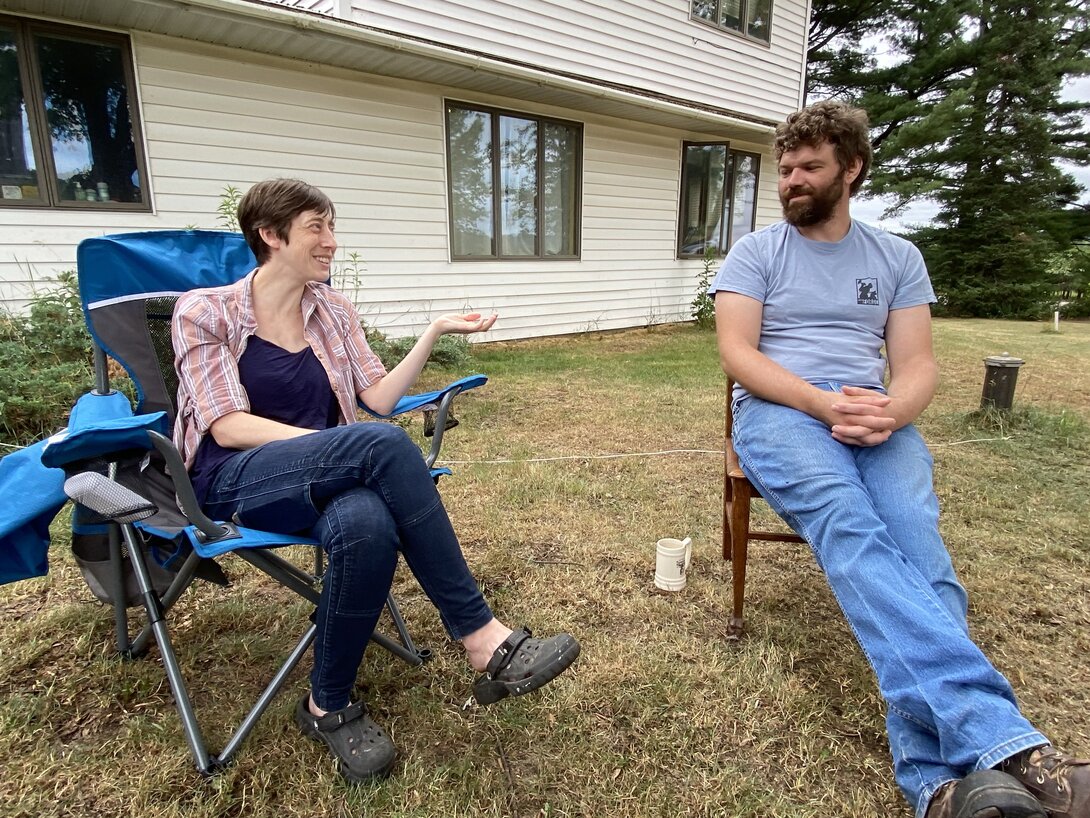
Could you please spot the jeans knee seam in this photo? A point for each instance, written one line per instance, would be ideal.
(425, 513)
(347, 548)
(908, 716)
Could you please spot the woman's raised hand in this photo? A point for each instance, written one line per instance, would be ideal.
(464, 324)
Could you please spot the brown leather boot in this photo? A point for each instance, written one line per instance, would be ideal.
(1061, 783)
(984, 794)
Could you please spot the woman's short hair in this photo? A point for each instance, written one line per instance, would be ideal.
(273, 204)
(846, 128)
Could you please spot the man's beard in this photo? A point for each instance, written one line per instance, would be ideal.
(816, 209)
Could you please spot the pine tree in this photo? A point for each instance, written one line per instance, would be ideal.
(970, 117)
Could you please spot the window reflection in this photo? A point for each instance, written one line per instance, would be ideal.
(469, 136)
(68, 127)
(750, 17)
(744, 197)
(703, 198)
(87, 111)
(18, 166)
(558, 190)
(718, 198)
(730, 14)
(704, 9)
(758, 18)
(518, 181)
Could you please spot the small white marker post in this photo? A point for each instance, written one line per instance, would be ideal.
(1056, 320)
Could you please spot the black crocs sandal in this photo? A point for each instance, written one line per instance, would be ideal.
(363, 751)
(522, 664)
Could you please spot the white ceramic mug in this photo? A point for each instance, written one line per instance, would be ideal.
(671, 562)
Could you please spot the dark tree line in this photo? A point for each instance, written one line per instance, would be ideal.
(964, 100)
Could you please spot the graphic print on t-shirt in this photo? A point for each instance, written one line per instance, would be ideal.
(866, 291)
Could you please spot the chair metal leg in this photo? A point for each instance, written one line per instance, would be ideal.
(154, 611)
(738, 518)
(411, 653)
(121, 614)
(182, 580)
(288, 575)
(265, 699)
(281, 570)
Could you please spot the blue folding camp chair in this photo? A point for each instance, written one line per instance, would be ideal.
(133, 496)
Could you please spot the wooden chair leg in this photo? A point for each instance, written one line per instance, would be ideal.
(739, 542)
(728, 496)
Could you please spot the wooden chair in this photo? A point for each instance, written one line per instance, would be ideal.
(737, 494)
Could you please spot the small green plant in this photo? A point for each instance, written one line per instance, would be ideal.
(228, 208)
(703, 306)
(348, 276)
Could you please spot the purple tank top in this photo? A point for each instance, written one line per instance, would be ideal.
(289, 387)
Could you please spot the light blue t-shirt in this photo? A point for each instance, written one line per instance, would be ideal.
(826, 303)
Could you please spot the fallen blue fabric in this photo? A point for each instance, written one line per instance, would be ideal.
(33, 487)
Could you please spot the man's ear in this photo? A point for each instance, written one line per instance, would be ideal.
(853, 170)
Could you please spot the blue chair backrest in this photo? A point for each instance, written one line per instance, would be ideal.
(128, 265)
(128, 284)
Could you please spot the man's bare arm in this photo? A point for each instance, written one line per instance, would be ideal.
(913, 373)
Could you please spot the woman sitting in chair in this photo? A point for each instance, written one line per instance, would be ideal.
(270, 370)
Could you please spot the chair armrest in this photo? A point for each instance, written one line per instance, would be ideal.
(439, 400)
(183, 487)
(100, 425)
(423, 400)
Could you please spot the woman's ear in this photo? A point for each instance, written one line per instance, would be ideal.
(270, 237)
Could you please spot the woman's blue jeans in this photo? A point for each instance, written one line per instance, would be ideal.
(363, 491)
(871, 517)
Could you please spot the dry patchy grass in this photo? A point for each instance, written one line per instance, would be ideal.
(661, 715)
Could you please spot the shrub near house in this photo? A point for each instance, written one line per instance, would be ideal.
(47, 363)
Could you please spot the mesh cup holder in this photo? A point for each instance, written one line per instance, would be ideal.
(92, 554)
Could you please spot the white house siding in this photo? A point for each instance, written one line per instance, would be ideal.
(650, 44)
(214, 117)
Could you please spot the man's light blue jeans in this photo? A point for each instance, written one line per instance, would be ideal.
(871, 518)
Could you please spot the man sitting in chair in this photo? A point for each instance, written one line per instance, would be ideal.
(270, 370)
(803, 308)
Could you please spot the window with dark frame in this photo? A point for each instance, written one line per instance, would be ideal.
(752, 18)
(514, 184)
(69, 134)
(718, 203)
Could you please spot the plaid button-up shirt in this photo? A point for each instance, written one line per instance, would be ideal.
(210, 330)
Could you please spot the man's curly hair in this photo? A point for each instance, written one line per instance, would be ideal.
(844, 127)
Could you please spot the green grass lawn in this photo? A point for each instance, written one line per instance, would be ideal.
(661, 716)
